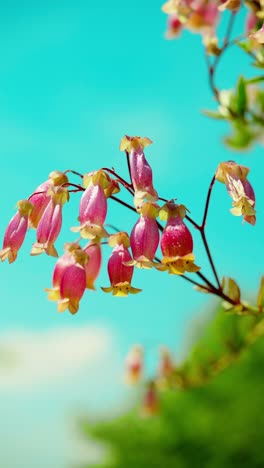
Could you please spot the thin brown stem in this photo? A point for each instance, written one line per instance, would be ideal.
(128, 166)
(122, 181)
(73, 172)
(207, 202)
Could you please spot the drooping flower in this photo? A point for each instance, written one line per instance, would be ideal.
(120, 274)
(69, 279)
(198, 16)
(50, 223)
(176, 241)
(174, 27)
(166, 366)
(93, 206)
(134, 364)
(16, 231)
(144, 237)
(41, 196)
(150, 405)
(234, 176)
(93, 265)
(141, 172)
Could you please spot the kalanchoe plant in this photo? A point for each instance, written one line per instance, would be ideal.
(78, 269)
(166, 244)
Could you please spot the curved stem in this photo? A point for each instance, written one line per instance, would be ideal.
(73, 172)
(120, 179)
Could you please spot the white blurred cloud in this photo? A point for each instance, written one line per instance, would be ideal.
(32, 358)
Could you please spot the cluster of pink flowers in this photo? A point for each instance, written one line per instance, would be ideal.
(202, 17)
(78, 268)
(199, 16)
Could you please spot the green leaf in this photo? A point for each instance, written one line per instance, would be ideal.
(213, 114)
(245, 46)
(241, 96)
(242, 137)
(260, 298)
(256, 79)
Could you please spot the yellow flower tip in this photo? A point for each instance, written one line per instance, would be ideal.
(141, 262)
(128, 143)
(60, 195)
(25, 207)
(99, 177)
(230, 169)
(121, 289)
(53, 294)
(141, 195)
(90, 285)
(170, 7)
(149, 209)
(58, 178)
(172, 209)
(91, 231)
(107, 290)
(37, 249)
(7, 254)
(120, 238)
(50, 250)
(71, 304)
(179, 265)
(244, 207)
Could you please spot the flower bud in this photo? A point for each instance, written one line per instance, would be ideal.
(176, 241)
(41, 196)
(144, 237)
(120, 274)
(50, 223)
(69, 279)
(93, 206)
(16, 231)
(141, 172)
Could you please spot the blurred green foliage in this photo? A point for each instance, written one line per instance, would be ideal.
(217, 425)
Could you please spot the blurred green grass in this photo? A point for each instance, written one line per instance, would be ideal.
(217, 425)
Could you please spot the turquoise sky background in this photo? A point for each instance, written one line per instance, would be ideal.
(75, 77)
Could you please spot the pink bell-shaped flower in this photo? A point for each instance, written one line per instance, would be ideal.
(69, 279)
(41, 196)
(16, 231)
(141, 172)
(93, 206)
(50, 223)
(93, 265)
(176, 241)
(234, 176)
(144, 238)
(174, 27)
(120, 274)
